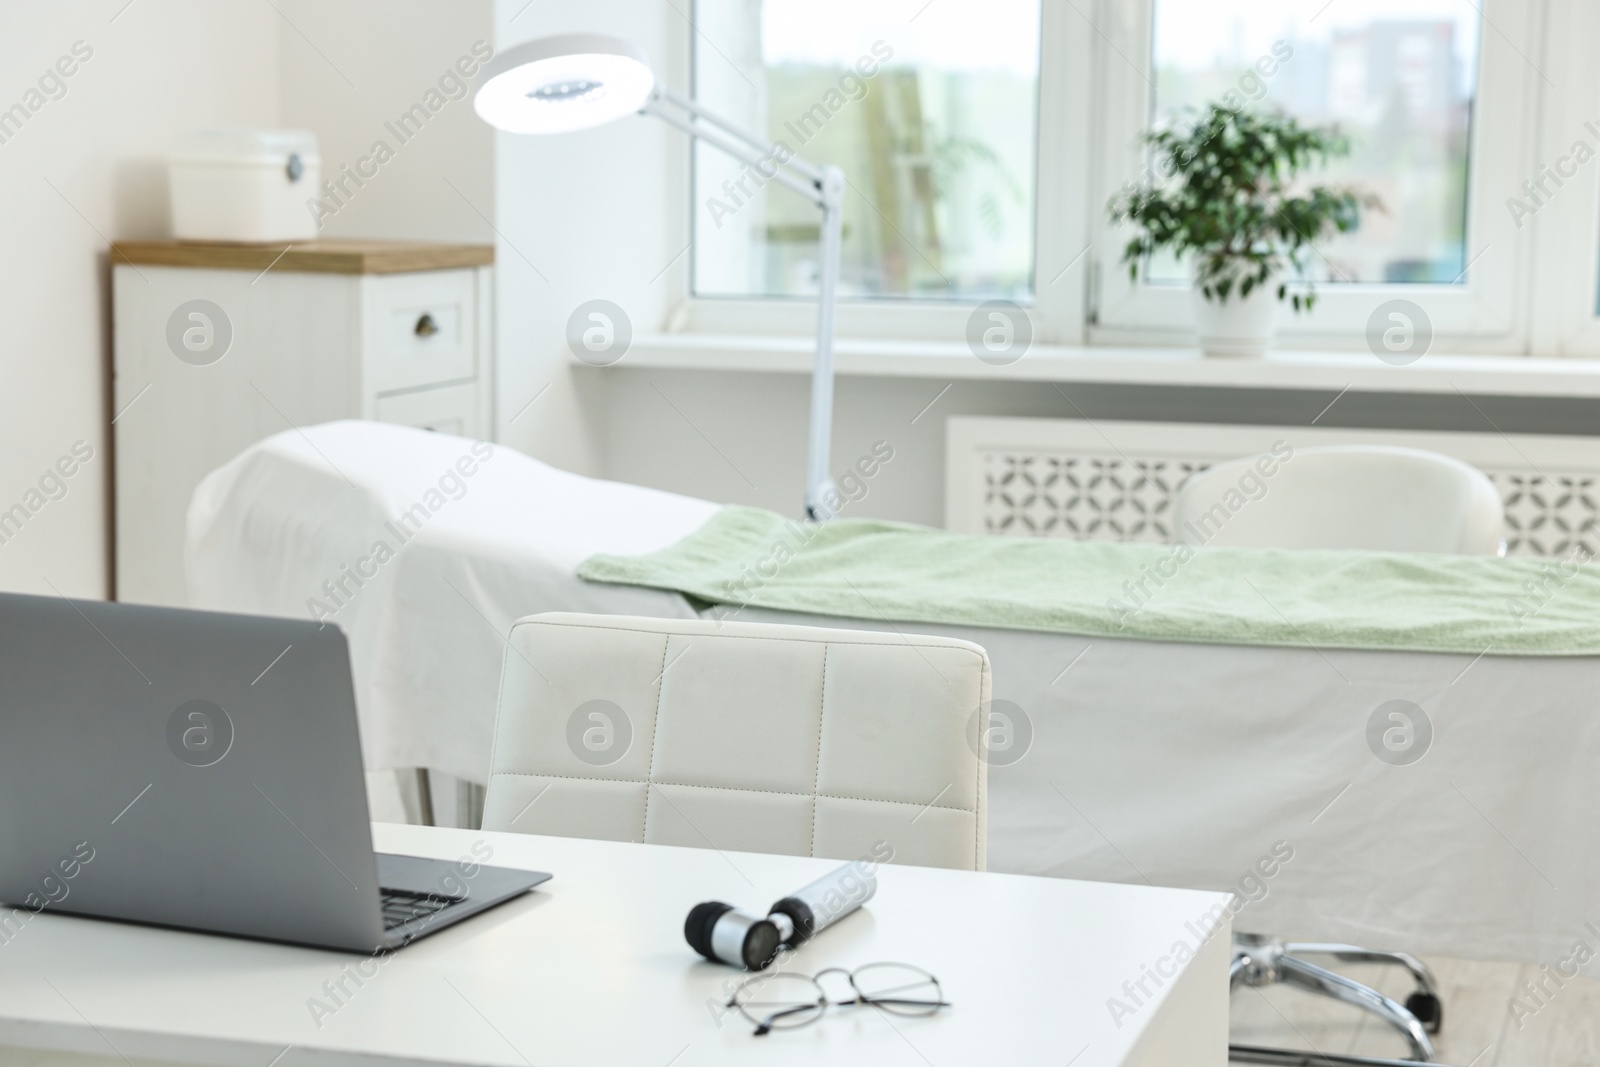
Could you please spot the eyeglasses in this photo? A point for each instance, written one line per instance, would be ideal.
(784, 1001)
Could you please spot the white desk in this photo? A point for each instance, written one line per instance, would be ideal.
(592, 969)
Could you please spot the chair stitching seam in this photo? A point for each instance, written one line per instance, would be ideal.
(655, 727)
(736, 789)
(980, 777)
(816, 772)
(929, 643)
(979, 780)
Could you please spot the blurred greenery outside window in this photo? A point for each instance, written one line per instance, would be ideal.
(1398, 77)
(931, 111)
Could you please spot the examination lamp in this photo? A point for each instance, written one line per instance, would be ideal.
(576, 81)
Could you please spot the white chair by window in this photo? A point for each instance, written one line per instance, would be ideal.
(742, 736)
(1344, 497)
(1371, 497)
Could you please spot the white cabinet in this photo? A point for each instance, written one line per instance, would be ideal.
(217, 346)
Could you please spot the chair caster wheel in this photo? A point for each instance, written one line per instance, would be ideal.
(1427, 1009)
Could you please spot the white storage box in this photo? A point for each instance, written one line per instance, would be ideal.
(244, 185)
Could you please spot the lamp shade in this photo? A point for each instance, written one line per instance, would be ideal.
(558, 84)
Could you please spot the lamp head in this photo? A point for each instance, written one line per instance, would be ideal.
(558, 84)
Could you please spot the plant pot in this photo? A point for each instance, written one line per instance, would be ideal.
(1240, 328)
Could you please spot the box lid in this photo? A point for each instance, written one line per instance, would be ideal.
(243, 146)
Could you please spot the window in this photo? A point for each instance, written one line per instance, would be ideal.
(1561, 201)
(930, 109)
(1443, 120)
(984, 138)
(1398, 77)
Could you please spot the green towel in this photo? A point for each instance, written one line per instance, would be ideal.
(909, 574)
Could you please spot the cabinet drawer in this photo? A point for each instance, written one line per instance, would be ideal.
(421, 329)
(451, 409)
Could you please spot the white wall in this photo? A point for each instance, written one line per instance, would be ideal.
(350, 66)
(158, 68)
(742, 437)
(582, 216)
(757, 421)
(84, 169)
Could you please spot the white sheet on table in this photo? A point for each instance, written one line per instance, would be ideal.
(1184, 764)
(1180, 764)
(269, 528)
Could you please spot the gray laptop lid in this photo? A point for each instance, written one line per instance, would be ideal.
(183, 768)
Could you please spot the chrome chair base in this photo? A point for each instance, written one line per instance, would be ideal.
(1261, 961)
(1282, 1057)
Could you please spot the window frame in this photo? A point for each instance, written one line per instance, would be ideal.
(1519, 293)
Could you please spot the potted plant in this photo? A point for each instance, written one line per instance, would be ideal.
(1224, 194)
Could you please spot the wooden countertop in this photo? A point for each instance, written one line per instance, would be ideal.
(317, 257)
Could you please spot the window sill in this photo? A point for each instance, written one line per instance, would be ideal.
(854, 357)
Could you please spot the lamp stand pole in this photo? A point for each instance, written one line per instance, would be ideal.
(824, 187)
(819, 483)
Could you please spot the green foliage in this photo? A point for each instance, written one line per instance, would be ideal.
(1227, 197)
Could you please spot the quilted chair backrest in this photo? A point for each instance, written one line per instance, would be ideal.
(743, 736)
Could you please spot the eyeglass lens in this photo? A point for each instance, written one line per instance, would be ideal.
(780, 1001)
(785, 1001)
(898, 987)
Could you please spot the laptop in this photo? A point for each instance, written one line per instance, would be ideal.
(203, 771)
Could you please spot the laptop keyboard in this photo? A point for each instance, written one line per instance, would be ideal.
(401, 906)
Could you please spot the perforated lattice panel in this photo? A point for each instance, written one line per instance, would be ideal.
(1129, 498)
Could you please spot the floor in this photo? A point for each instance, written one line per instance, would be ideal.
(1481, 1026)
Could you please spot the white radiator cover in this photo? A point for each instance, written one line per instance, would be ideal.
(1114, 481)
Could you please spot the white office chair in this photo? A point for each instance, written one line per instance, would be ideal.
(1370, 497)
(742, 736)
(1357, 497)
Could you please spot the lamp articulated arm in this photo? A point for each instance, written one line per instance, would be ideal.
(824, 187)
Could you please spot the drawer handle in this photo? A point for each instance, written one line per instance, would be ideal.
(426, 327)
